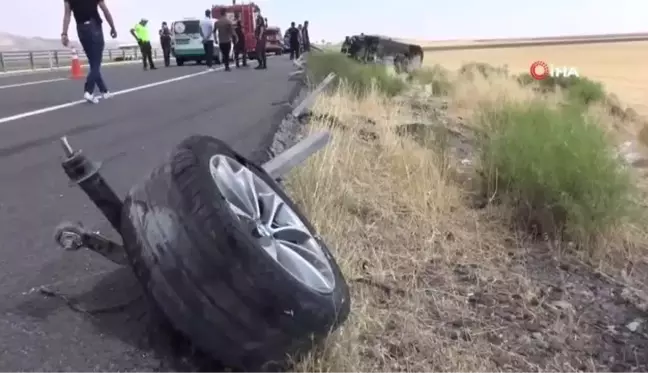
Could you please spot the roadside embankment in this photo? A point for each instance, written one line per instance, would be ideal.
(484, 221)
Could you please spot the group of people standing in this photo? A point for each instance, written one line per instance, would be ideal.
(228, 34)
(230, 37)
(298, 39)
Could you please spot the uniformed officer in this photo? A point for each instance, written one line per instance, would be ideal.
(165, 42)
(260, 48)
(293, 41)
(141, 33)
(239, 46)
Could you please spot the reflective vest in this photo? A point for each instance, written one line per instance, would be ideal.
(142, 32)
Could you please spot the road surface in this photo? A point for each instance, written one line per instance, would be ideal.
(131, 132)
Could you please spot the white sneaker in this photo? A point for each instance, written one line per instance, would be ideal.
(210, 69)
(89, 97)
(106, 95)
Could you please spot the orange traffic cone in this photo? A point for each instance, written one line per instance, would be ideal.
(76, 72)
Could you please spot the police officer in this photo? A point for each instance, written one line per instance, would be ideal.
(293, 41)
(141, 34)
(260, 48)
(165, 42)
(239, 46)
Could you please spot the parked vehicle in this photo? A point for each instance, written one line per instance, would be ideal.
(186, 42)
(247, 14)
(275, 42)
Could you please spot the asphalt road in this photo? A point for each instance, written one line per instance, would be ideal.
(131, 132)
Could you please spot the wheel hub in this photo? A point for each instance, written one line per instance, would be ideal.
(273, 224)
(262, 231)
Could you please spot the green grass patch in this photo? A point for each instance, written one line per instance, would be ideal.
(556, 163)
(579, 90)
(355, 75)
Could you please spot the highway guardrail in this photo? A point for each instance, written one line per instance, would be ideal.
(14, 61)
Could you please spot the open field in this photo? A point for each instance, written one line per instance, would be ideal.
(487, 42)
(483, 225)
(620, 66)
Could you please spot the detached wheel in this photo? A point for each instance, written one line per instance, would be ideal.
(230, 259)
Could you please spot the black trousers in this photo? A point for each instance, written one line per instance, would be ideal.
(166, 51)
(209, 53)
(226, 49)
(294, 51)
(147, 54)
(239, 51)
(261, 52)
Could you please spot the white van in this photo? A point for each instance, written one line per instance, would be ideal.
(186, 42)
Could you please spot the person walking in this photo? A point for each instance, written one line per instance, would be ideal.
(207, 34)
(226, 35)
(293, 41)
(260, 47)
(90, 33)
(306, 37)
(165, 42)
(141, 33)
(239, 46)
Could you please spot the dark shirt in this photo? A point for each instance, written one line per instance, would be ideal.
(85, 10)
(259, 32)
(293, 35)
(240, 36)
(165, 33)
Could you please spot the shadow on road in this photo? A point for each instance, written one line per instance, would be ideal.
(116, 306)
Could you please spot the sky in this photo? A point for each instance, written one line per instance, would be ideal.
(331, 20)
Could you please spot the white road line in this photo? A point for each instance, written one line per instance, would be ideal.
(31, 83)
(124, 91)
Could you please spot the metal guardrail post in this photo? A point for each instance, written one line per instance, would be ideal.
(51, 60)
(2, 63)
(310, 99)
(31, 60)
(298, 153)
(56, 58)
(110, 55)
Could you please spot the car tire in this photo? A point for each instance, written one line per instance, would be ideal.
(210, 277)
(179, 61)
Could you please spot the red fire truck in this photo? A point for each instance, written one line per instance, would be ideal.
(247, 13)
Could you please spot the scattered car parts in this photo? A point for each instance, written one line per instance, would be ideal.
(221, 250)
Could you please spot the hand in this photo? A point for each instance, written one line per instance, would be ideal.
(65, 40)
(113, 33)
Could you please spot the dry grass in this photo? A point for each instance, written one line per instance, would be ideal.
(620, 66)
(437, 284)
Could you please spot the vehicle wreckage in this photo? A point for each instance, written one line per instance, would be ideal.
(220, 250)
(379, 49)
